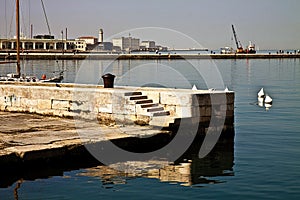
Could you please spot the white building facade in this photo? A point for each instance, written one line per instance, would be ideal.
(34, 44)
(89, 39)
(148, 44)
(126, 43)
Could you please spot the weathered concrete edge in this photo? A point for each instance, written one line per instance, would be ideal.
(16, 156)
(67, 100)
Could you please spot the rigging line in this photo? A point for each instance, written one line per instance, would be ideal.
(5, 19)
(46, 17)
(29, 18)
(23, 21)
(12, 19)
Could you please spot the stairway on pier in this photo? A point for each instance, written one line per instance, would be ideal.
(146, 107)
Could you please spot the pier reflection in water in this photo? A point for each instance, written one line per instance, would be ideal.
(188, 170)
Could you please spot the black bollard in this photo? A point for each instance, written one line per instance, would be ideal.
(108, 80)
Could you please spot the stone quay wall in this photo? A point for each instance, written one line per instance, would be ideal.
(120, 105)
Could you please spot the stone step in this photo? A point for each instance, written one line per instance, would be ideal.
(146, 101)
(159, 117)
(132, 93)
(160, 113)
(161, 121)
(155, 109)
(149, 105)
(138, 97)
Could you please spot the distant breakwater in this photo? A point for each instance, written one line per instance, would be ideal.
(100, 56)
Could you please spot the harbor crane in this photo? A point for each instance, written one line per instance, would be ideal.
(239, 47)
(46, 18)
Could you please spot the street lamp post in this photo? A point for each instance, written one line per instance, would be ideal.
(62, 42)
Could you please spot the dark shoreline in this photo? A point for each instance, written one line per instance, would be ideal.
(100, 56)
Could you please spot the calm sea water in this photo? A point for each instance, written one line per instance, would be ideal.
(266, 144)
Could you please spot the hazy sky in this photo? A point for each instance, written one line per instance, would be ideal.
(270, 24)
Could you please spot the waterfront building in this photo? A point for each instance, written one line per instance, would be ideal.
(126, 43)
(105, 46)
(91, 42)
(148, 44)
(161, 48)
(42, 43)
(80, 45)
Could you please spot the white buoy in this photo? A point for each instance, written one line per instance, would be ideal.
(260, 101)
(268, 100)
(261, 93)
(194, 87)
(268, 106)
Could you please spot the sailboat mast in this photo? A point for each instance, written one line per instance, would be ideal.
(18, 70)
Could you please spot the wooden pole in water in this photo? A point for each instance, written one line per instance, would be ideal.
(18, 38)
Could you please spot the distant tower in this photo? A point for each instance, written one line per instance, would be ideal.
(100, 39)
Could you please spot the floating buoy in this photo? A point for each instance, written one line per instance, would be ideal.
(260, 101)
(261, 93)
(268, 100)
(268, 106)
(44, 77)
(260, 104)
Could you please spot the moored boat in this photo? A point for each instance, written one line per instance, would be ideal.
(18, 76)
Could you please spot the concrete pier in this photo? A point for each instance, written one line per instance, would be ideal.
(125, 115)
